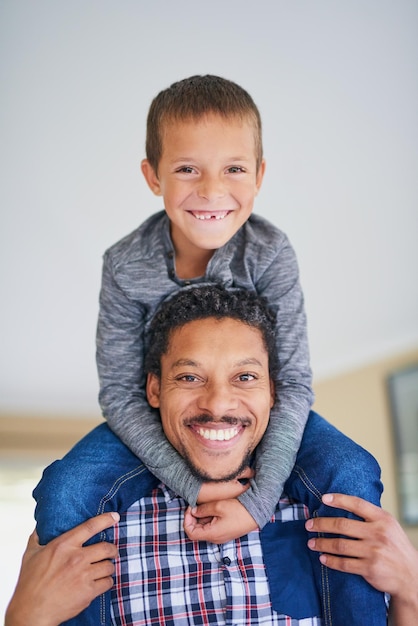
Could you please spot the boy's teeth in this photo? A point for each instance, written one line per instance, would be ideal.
(218, 435)
(210, 216)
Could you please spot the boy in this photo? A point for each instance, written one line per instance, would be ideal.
(205, 158)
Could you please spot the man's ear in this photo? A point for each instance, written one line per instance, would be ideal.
(151, 177)
(272, 393)
(153, 391)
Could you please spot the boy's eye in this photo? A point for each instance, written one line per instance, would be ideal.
(235, 169)
(186, 169)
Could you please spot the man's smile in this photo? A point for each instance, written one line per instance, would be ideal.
(212, 434)
(214, 431)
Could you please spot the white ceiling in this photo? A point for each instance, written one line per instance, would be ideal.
(337, 86)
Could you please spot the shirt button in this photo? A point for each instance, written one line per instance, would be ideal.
(226, 560)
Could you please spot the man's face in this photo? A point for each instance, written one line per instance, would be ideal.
(209, 178)
(214, 395)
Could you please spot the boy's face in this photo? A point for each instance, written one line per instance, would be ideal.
(208, 178)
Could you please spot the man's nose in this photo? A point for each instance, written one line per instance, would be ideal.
(218, 400)
(211, 187)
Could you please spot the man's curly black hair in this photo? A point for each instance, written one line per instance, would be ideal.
(210, 301)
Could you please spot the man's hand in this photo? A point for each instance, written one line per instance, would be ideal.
(376, 548)
(218, 522)
(57, 581)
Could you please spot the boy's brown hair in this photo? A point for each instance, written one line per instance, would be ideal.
(193, 98)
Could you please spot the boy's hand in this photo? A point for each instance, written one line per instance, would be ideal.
(218, 522)
(57, 581)
(214, 491)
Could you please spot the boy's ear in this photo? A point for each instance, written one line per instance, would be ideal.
(260, 175)
(151, 177)
(153, 391)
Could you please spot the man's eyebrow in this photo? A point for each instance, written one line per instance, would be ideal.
(192, 363)
(183, 362)
(248, 361)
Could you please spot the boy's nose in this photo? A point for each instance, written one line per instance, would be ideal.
(211, 188)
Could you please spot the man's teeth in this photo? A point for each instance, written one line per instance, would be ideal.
(218, 435)
(210, 216)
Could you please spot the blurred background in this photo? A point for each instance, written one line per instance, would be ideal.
(337, 87)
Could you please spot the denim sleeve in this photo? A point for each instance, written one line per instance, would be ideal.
(120, 356)
(279, 284)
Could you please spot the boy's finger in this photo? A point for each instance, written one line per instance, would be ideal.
(247, 473)
(194, 527)
(208, 509)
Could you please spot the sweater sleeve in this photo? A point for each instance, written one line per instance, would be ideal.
(276, 454)
(120, 358)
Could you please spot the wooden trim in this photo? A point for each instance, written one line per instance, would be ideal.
(32, 434)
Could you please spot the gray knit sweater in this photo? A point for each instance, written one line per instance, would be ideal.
(138, 273)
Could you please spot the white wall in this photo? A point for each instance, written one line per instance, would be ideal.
(337, 86)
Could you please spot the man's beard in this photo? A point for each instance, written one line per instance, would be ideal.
(205, 476)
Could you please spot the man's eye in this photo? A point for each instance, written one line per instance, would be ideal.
(235, 169)
(246, 377)
(188, 378)
(185, 170)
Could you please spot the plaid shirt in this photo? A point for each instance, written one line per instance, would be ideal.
(164, 578)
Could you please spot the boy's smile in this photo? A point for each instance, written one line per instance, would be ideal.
(208, 178)
(210, 215)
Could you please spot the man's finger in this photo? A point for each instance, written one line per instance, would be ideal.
(100, 551)
(31, 547)
(338, 546)
(33, 541)
(368, 511)
(103, 569)
(347, 565)
(82, 533)
(102, 585)
(337, 526)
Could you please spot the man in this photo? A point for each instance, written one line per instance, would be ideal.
(210, 378)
